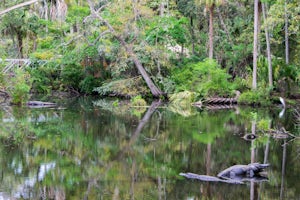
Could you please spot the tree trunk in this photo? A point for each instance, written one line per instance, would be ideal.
(283, 164)
(224, 26)
(255, 44)
(211, 31)
(270, 70)
(286, 33)
(192, 34)
(46, 14)
(155, 91)
(161, 9)
(20, 44)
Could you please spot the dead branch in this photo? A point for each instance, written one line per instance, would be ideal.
(18, 6)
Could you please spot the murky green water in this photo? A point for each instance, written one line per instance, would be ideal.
(87, 151)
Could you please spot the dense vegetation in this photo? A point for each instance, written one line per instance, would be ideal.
(152, 48)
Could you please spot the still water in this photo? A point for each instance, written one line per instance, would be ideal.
(105, 149)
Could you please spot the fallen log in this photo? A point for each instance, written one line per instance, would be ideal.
(218, 101)
(207, 178)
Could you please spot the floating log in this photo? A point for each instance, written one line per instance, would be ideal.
(40, 104)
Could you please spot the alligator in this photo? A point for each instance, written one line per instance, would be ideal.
(237, 174)
(249, 170)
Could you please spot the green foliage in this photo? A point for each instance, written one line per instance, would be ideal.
(149, 28)
(138, 101)
(255, 97)
(124, 87)
(164, 30)
(115, 103)
(19, 87)
(45, 78)
(88, 84)
(77, 13)
(71, 75)
(264, 124)
(43, 55)
(46, 42)
(205, 78)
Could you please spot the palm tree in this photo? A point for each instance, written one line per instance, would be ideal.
(255, 45)
(210, 6)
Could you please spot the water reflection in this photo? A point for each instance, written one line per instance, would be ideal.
(109, 150)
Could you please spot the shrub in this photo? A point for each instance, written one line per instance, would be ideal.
(43, 55)
(255, 97)
(19, 87)
(206, 78)
(88, 84)
(71, 75)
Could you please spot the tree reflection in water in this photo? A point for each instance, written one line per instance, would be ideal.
(118, 152)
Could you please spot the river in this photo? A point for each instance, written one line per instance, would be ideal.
(105, 149)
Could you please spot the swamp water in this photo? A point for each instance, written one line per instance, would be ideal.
(107, 150)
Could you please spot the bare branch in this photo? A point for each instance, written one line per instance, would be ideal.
(18, 6)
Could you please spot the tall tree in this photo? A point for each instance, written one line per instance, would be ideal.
(286, 32)
(270, 70)
(255, 45)
(210, 6)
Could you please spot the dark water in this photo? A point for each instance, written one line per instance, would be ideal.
(112, 151)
